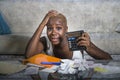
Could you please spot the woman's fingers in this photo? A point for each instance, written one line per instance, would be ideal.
(84, 40)
(53, 12)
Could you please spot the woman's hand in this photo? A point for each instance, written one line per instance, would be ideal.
(48, 15)
(52, 13)
(84, 40)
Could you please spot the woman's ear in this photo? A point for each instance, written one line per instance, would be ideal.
(66, 28)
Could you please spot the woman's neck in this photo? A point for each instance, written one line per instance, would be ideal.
(62, 44)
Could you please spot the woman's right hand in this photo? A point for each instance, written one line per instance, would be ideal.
(52, 13)
(48, 15)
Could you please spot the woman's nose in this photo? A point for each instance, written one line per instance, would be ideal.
(54, 31)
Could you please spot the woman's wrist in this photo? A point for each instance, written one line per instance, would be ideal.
(88, 48)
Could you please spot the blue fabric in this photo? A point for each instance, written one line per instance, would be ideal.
(4, 28)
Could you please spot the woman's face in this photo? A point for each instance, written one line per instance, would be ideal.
(56, 30)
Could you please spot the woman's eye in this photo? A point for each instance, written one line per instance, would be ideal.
(49, 28)
(59, 28)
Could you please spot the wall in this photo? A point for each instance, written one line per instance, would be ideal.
(100, 18)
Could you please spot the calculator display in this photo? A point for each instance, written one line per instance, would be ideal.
(71, 37)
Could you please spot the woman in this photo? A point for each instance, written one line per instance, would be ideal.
(56, 24)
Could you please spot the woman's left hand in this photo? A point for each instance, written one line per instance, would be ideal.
(84, 40)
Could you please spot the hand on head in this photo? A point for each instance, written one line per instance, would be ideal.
(52, 13)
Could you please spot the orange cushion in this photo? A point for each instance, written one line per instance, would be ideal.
(37, 59)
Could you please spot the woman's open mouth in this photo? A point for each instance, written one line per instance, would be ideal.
(54, 39)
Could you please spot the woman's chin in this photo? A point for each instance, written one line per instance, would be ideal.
(55, 43)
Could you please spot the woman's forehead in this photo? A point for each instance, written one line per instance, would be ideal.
(56, 20)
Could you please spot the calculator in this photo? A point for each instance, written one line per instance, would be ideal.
(71, 37)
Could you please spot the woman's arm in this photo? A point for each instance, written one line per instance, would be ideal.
(35, 45)
(97, 53)
(91, 49)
